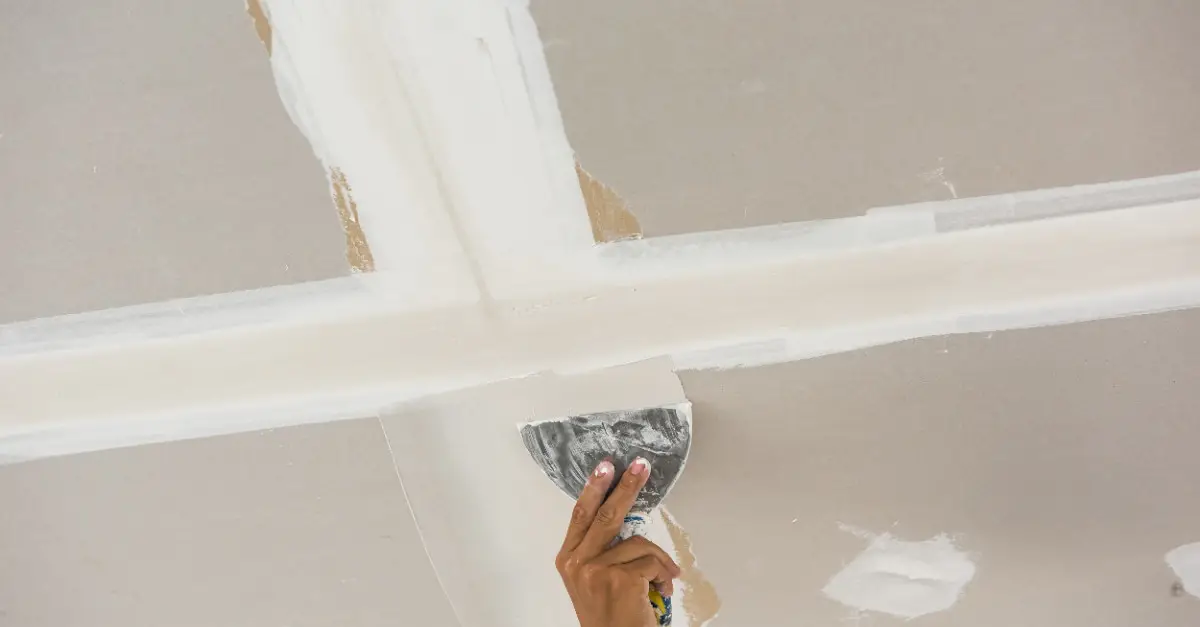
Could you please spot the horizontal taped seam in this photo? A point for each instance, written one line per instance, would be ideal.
(980, 211)
(788, 346)
(784, 346)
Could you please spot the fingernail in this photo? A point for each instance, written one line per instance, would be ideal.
(639, 466)
(603, 469)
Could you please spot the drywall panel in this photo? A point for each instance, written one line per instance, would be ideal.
(714, 115)
(144, 155)
(1061, 462)
(298, 526)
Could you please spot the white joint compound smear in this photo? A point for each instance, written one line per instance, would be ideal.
(1185, 561)
(902, 578)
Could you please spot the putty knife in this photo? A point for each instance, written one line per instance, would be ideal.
(568, 449)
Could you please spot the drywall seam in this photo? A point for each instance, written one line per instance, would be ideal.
(967, 213)
(339, 85)
(618, 263)
(706, 251)
(441, 581)
(1094, 265)
(784, 346)
(457, 61)
(174, 319)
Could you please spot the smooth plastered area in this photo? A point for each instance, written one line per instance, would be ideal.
(709, 115)
(1060, 461)
(144, 156)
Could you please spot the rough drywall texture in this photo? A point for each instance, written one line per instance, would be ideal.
(304, 526)
(144, 155)
(1061, 460)
(711, 114)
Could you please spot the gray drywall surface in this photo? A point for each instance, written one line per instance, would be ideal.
(144, 155)
(303, 526)
(1063, 460)
(708, 114)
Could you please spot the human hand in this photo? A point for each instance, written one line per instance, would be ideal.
(609, 585)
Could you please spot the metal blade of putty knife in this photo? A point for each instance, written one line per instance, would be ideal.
(568, 449)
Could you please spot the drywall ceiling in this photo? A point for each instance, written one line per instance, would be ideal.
(144, 155)
(1060, 460)
(303, 526)
(714, 115)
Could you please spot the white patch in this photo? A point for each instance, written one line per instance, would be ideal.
(902, 578)
(1185, 561)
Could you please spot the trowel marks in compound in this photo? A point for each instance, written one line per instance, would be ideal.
(568, 449)
(902, 578)
(1185, 561)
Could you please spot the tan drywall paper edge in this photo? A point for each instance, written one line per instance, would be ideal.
(611, 219)
(700, 600)
(358, 251)
(261, 25)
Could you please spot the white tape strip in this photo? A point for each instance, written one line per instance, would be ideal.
(1095, 265)
(967, 213)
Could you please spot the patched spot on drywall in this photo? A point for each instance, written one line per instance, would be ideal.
(902, 578)
(611, 219)
(700, 600)
(262, 26)
(358, 251)
(1185, 563)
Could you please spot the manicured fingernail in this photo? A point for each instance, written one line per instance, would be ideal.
(603, 469)
(639, 466)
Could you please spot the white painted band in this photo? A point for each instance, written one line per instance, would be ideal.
(1062, 270)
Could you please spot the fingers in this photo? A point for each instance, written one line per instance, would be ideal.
(653, 571)
(607, 520)
(590, 500)
(636, 548)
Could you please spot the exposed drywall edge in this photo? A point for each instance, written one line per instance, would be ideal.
(611, 219)
(340, 86)
(974, 212)
(1087, 262)
(262, 24)
(696, 596)
(358, 250)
